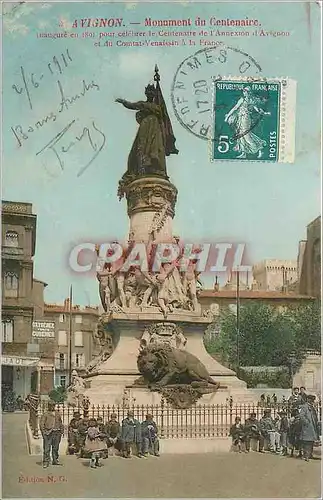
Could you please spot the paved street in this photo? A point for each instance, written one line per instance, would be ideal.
(223, 475)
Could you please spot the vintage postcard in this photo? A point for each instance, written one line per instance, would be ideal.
(161, 249)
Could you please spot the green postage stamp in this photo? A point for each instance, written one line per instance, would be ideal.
(253, 119)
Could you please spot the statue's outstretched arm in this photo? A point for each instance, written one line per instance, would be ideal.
(130, 105)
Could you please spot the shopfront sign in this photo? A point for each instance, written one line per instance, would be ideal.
(18, 361)
(43, 329)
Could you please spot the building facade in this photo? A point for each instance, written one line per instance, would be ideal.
(84, 343)
(310, 373)
(217, 301)
(23, 356)
(275, 274)
(309, 260)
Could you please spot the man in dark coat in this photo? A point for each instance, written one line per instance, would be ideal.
(149, 434)
(131, 436)
(113, 431)
(294, 432)
(283, 426)
(253, 432)
(237, 432)
(309, 427)
(295, 399)
(73, 439)
(269, 431)
(82, 432)
(302, 394)
(52, 429)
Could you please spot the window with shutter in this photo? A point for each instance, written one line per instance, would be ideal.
(62, 337)
(79, 360)
(11, 284)
(7, 330)
(78, 319)
(78, 339)
(62, 361)
(11, 239)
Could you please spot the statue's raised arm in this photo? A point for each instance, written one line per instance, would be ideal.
(154, 140)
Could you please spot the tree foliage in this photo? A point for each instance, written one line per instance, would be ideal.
(267, 336)
(58, 394)
(278, 378)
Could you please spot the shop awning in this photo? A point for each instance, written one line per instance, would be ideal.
(19, 361)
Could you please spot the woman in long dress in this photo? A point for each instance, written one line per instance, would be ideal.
(240, 118)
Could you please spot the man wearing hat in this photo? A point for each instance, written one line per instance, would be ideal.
(283, 428)
(113, 433)
(82, 428)
(253, 435)
(131, 436)
(73, 441)
(52, 429)
(269, 431)
(309, 426)
(149, 431)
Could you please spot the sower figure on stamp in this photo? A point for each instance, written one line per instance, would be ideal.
(240, 119)
(52, 429)
(154, 140)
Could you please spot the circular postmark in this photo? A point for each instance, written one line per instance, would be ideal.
(192, 86)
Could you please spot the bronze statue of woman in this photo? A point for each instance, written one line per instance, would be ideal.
(154, 140)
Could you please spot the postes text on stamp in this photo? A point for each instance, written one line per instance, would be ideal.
(253, 119)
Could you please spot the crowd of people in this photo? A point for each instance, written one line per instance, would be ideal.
(270, 401)
(296, 429)
(95, 439)
(10, 401)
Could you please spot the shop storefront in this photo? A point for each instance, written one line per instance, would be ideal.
(17, 373)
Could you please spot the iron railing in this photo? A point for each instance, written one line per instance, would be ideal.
(199, 421)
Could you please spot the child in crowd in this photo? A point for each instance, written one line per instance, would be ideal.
(238, 435)
(95, 443)
(283, 431)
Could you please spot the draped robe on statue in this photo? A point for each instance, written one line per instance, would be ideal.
(154, 140)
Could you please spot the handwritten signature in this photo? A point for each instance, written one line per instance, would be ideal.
(89, 135)
(22, 134)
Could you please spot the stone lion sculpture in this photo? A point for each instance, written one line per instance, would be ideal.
(161, 366)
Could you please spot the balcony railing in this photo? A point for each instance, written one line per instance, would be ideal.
(12, 252)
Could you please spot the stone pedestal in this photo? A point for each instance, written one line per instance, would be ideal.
(151, 204)
(112, 382)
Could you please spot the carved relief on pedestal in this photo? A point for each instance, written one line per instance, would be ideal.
(104, 337)
(168, 290)
(151, 194)
(163, 334)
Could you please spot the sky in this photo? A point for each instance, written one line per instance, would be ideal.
(267, 206)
